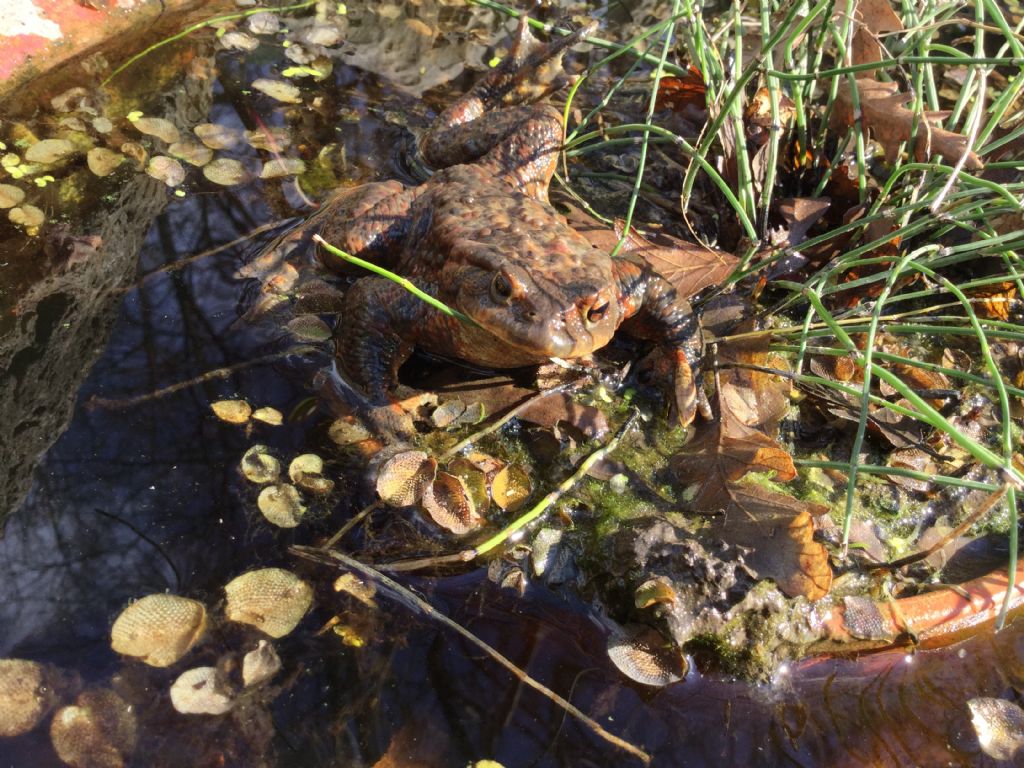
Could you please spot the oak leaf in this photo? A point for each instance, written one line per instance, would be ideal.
(883, 112)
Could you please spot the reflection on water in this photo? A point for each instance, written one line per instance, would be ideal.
(147, 498)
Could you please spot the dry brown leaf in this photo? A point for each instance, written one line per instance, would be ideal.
(800, 214)
(780, 530)
(883, 112)
(751, 403)
(689, 267)
(874, 18)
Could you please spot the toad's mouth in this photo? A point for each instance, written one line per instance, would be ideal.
(538, 343)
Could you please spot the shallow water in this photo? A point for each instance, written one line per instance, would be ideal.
(141, 497)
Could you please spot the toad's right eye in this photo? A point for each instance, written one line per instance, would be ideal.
(501, 289)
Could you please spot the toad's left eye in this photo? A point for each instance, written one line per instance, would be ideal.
(597, 312)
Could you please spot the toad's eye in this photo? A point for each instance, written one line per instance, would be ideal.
(597, 312)
(501, 289)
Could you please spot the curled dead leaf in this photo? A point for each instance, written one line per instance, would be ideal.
(448, 503)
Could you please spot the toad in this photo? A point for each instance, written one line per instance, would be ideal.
(481, 236)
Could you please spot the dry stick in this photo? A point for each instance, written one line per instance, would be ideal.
(492, 427)
(418, 605)
(520, 522)
(990, 501)
(218, 373)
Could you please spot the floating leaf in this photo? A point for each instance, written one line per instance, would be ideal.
(302, 71)
(259, 466)
(226, 171)
(268, 415)
(402, 479)
(166, 169)
(103, 161)
(511, 487)
(10, 195)
(239, 41)
(282, 166)
(264, 23)
(260, 664)
(26, 695)
(49, 151)
(27, 216)
(279, 90)
(158, 629)
(159, 127)
(98, 730)
(191, 152)
(999, 726)
(217, 136)
(642, 655)
(232, 411)
(281, 505)
(346, 431)
(322, 34)
(363, 591)
(306, 463)
(270, 599)
(448, 503)
(202, 691)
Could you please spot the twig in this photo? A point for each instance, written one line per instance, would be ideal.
(990, 501)
(417, 604)
(218, 373)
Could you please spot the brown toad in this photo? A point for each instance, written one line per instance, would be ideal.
(481, 236)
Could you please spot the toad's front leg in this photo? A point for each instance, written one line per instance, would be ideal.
(656, 312)
(377, 335)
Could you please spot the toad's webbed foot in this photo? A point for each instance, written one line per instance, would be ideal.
(656, 312)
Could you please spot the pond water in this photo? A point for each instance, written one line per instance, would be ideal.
(141, 494)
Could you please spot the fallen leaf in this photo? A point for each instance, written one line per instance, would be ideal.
(874, 18)
(780, 531)
(49, 151)
(10, 195)
(751, 404)
(278, 89)
(883, 112)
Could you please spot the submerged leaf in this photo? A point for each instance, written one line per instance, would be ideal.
(217, 136)
(166, 169)
(511, 487)
(259, 466)
(159, 127)
(10, 195)
(103, 161)
(278, 89)
(282, 166)
(49, 151)
(158, 629)
(202, 691)
(226, 171)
